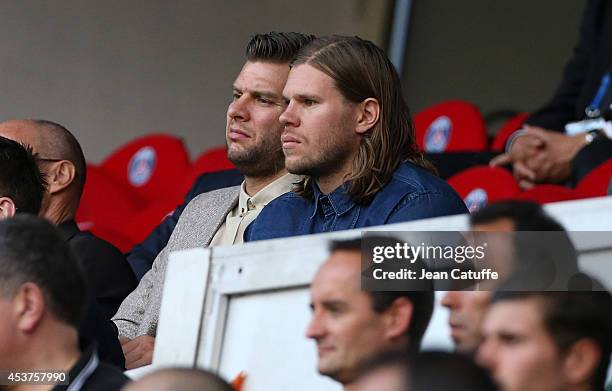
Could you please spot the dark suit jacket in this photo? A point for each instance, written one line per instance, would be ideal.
(142, 255)
(591, 59)
(108, 275)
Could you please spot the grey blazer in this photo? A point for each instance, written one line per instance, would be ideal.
(139, 312)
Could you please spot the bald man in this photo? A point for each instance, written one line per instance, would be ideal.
(184, 379)
(61, 159)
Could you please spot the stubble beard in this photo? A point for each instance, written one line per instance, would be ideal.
(264, 159)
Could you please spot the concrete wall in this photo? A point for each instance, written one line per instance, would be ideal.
(494, 53)
(113, 70)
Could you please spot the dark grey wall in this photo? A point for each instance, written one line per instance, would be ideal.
(115, 69)
(497, 54)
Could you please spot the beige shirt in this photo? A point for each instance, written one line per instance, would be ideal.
(248, 208)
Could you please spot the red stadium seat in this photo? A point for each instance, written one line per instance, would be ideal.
(151, 165)
(104, 201)
(596, 182)
(211, 160)
(144, 221)
(512, 125)
(451, 126)
(543, 194)
(481, 185)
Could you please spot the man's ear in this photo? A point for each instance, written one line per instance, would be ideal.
(60, 176)
(581, 361)
(398, 318)
(7, 208)
(29, 307)
(367, 115)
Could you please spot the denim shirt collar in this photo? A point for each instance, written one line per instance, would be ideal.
(339, 199)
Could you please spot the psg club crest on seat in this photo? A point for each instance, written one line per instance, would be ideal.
(141, 166)
(476, 199)
(438, 134)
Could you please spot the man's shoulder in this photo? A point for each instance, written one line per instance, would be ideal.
(220, 196)
(409, 178)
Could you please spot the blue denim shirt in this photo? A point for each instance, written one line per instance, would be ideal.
(411, 194)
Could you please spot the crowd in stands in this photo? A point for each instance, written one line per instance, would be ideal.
(321, 140)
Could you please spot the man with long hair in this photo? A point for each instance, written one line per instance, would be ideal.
(348, 131)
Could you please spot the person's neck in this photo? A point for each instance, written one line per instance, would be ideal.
(331, 182)
(57, 211)
(350, 387)
(253, 185)
(54, 348)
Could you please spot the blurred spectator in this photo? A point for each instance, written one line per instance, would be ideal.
(548, 340)
(467, 308)
(220, 217)
(21, 183)
(42, 301)
(347, 129)
(21, 191)
(143, 255)
(61, 160)
(541, 152)
(351, 326)
(179, 379)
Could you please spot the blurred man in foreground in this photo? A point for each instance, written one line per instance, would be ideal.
(548, 341)
(351, 326)
(42, 301)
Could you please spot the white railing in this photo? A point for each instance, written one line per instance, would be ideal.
(245, 308)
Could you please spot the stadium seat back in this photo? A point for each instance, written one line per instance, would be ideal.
(104, 201)
(144, 221)
(150, 166)
(451, 126)
(478, 186)
(597, 182)
(511, 126)
(543, 194)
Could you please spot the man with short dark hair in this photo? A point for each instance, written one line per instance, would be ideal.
(348, 131)
(221, 216)
(467, 308)
(351, 326)
(548, 340)
(21, 184)
(61, 160)
(42, 301)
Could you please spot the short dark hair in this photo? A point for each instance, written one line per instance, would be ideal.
(526, 216)
(571, 316)
(32, 250)
(63, 145)
(279, 47)
(20, 178)
(422, 300)
(545, 257)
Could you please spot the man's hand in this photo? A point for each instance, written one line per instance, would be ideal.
(552, 163)
(523, 148)
(138, 352)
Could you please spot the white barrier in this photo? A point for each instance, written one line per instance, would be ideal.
(249, 309)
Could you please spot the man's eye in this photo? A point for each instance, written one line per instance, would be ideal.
(264, 101)
(236, 95)
(309, 102)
